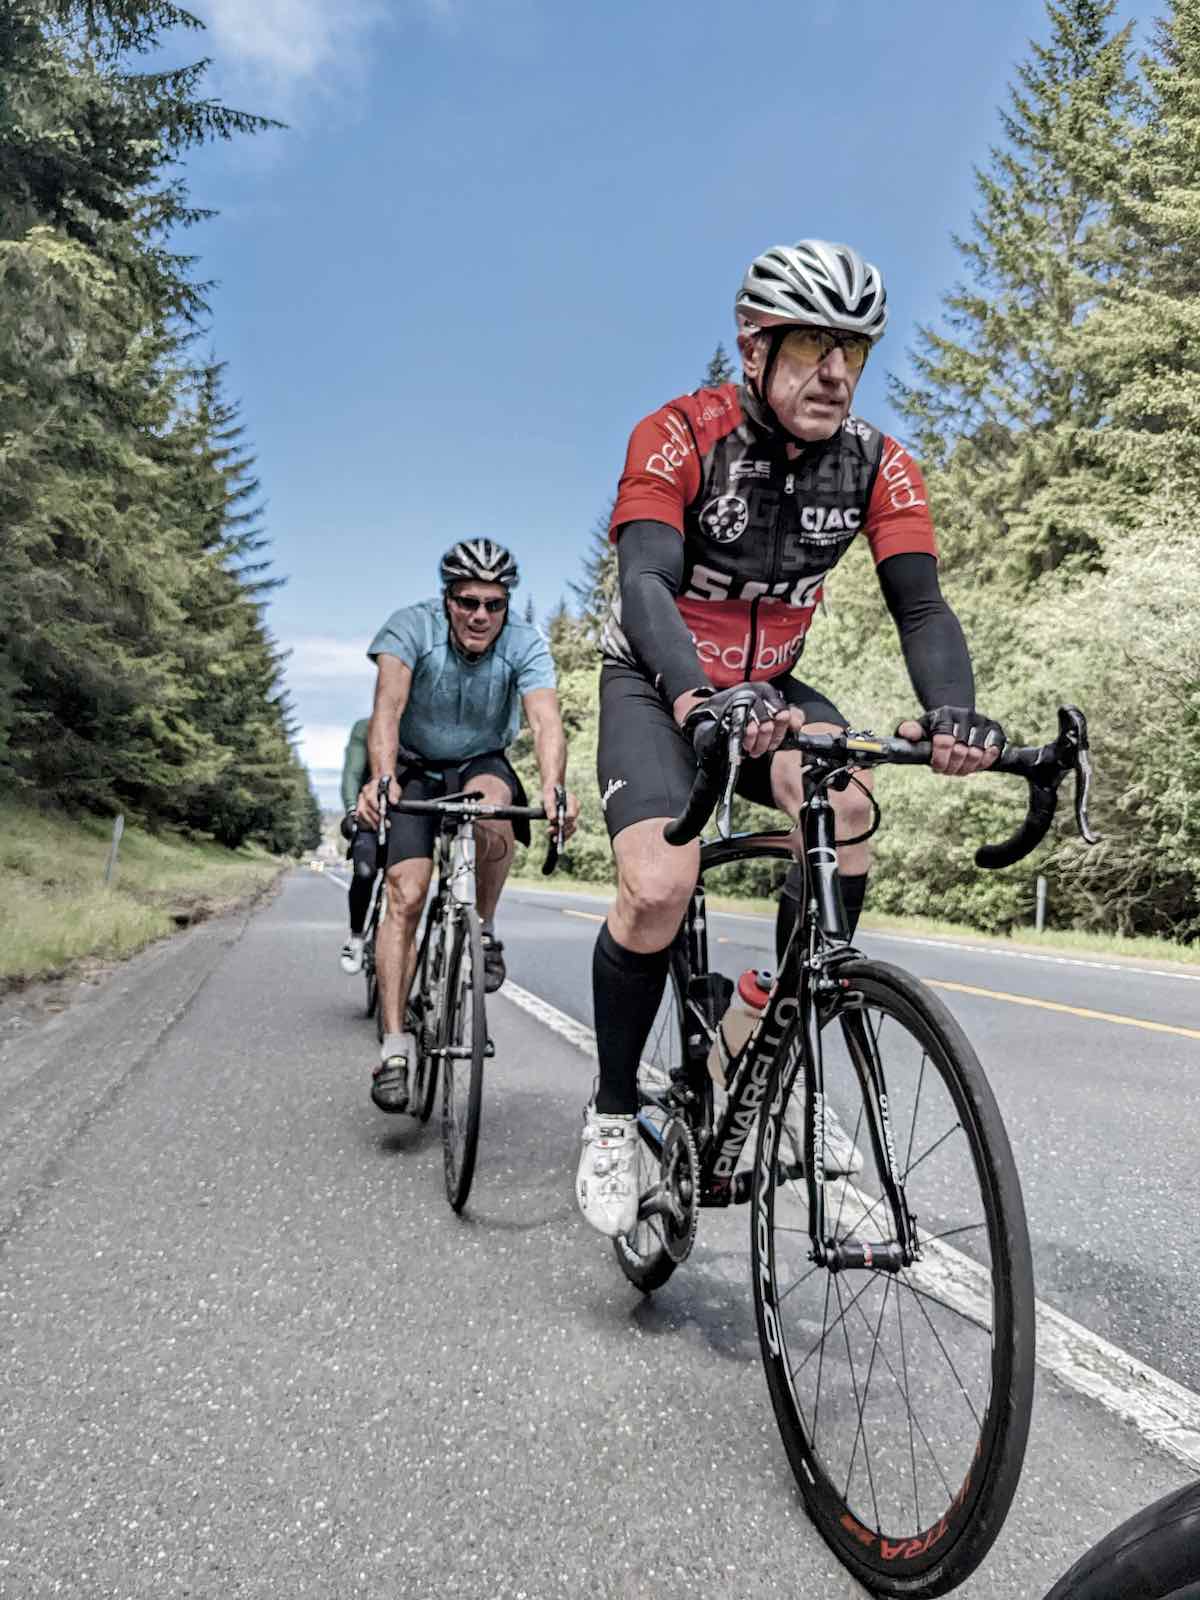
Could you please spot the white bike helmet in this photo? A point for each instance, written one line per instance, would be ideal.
(481, 561)
(815, 283)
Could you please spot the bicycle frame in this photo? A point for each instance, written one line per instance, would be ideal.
(806, 983)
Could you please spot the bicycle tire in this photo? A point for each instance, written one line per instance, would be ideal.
(975, 1442)
(420, 999)
(642, 1254)
(463, 1009)
(370, 971)
(1154, 1555)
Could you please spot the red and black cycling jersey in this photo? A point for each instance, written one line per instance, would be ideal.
(763, 522)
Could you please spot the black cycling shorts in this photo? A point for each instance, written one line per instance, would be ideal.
(645, 763)
(410, 838)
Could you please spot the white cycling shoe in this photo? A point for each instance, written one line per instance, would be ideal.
(606, 1184)
(352, 955)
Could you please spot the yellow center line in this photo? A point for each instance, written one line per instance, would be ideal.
(1055, 1005)
(999, 994)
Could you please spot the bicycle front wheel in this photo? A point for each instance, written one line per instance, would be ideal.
(370, 976)
(463, 1043)
(422, 1014)
(902, 1396)
(1153, 1556)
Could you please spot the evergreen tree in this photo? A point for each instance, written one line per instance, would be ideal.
(1142, 347)
(1001, 411)
(720, 369)
(135, 669)
(595, 591)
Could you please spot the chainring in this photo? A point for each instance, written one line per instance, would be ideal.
(679, 1176)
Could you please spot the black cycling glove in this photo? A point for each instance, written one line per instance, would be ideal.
(703, 721)
(965, 725)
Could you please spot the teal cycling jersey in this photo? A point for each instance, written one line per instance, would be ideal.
(457, 709)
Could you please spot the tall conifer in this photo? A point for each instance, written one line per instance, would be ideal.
(1000, 410)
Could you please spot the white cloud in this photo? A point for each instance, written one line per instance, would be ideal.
(285, 51)
(323, 745)
(323, 660)
(285, 38)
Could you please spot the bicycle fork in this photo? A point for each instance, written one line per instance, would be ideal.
(819, 988)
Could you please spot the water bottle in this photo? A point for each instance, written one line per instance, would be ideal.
(749, 1000)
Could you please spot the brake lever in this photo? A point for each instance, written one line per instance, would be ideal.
(558, 832)
(1073, 750)
(733, 764)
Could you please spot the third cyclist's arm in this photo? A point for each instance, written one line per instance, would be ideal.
(550, 747)
(393, 683)
(354, 763)
(650, 570)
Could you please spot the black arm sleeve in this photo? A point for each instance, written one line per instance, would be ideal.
(935, 651)
(649, 569)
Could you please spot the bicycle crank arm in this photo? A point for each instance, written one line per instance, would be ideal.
(852, 1253)
(462, 1052)
(657, 1202)
(743, 1182)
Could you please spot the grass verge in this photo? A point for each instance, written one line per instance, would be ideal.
(1063, 939)
(56, 911)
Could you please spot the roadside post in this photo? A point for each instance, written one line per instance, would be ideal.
(1040, 915)
(118, 830)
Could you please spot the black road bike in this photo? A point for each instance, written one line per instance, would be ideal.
(446, 1012)
(890, 1258)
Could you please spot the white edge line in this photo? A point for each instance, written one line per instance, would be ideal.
(1163, 1411)
(933, 944)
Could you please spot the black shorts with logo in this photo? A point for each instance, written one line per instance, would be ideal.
(645, 764)
(410, 837)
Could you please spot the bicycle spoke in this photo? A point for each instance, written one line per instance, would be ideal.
(912, 1443)
(859, 1432)
(858, 1405)
(912, 1130)
(914, 1419)
(800, 1365)
(967, 1227)
(821, 1362)
(920, 1299)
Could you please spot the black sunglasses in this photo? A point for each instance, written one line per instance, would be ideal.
(470, 604)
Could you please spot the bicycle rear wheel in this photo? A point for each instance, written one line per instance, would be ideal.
(903, 1398)
(643, 1253)
(463, 1039)
(1153, 1556)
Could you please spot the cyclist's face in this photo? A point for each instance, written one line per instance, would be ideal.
(808, 392)
(474, 625)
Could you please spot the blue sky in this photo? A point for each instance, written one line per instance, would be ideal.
(497, 232)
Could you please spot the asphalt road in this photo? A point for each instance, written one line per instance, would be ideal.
(249, 1351)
